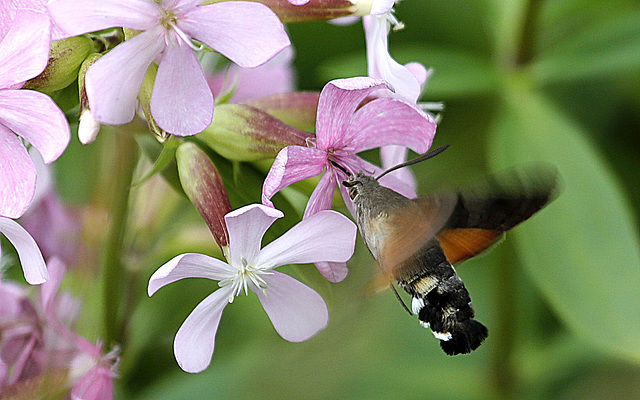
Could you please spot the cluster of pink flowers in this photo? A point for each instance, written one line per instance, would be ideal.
(167, 43)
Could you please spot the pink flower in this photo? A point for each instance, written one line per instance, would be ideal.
(296, 311)
(33, 266)
(345, 127)
(275, 76)
(247, 33)
(24, 53)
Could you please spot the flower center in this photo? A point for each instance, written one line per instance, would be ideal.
(244, 276)
(170, 22)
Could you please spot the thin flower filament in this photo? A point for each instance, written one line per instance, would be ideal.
(170, 23)
(243, 277)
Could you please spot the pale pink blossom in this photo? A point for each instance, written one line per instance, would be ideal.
(296, 311)
(24, 53)
(182, 104)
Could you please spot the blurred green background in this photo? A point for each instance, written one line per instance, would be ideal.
(556, 81)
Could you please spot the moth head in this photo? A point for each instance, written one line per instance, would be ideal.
(356, 183)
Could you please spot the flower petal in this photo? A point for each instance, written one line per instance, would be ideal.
(247, 33)
(33, 266)
(195, 340)
(381, 65)
(334, 272)
(188, 265)
(96, 384)
(49, 289)
(18, 177)
(381, 6)
(181, 102)
(324, 236)
(113, 82)
(292, 164)
(339, 99)
(386, 121)
(24, 51)
(79, 17)
(246, 227)
(322, 196)
(393, 155)
(296, 311)
(37, 118)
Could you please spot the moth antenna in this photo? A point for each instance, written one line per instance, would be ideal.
(399, 298)
(416, 160)
(341, 168)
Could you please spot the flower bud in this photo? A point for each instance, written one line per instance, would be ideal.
(243, 133)
(65, 59)
(88, 128)
(297, 109)
(203, 185)
(144, 95)
(316, 10)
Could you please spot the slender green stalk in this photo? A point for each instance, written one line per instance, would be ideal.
(114, 273)
(503, 369)
(527, 40)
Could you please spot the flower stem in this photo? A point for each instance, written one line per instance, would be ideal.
(113, 278)
(525, 51)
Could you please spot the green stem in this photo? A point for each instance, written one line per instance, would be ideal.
(525, 51)
(503, 369)
(114, 279)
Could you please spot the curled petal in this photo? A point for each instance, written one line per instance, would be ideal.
(24, 51)
(188, 265)
(292, 164)
(324, 236)
(18, 177)
(246, 227)
(334, 272)
(247, 33)
(113, 82)
(386, 121)
(381, 65)
(79, 17)
(296, 311)
(339, 99)
(322, 196)
(38, 119)
(181, 103)
(195, 340)
(33, 266)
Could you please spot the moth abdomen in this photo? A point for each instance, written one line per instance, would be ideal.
(441, 301)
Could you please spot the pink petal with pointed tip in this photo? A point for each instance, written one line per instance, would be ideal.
(322, 196)
(79, 17)
(292, 164)
(393, 155)
(18, 177)
(195, 340)
(380, 64)
(339, 99)
(334, 272)
(113, 82)
(35, 271)
(96, 384)
(181, 102)
(296, 311)
(246, 227)
(24, 51)
(386, 121)
(188, 265)
(37, 118)
(324, 236)
(247, 33)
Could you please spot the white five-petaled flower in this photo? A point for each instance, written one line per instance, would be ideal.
(296, 311)
(181, 103)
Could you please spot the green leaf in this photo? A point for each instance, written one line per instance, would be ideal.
(582, 251)
(457, 72)
(606, 47)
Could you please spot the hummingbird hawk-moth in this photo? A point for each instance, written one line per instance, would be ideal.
(416, 242)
